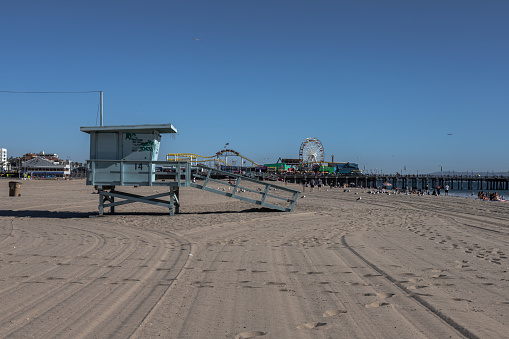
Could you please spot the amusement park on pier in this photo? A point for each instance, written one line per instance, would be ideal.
(311, 164)
(311, 160)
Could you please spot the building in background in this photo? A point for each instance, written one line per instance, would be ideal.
(40, 167)
(3, 159)
(50, 156)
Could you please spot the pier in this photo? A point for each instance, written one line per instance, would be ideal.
(459, 182)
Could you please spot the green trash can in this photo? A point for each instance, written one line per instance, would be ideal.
(14, 189)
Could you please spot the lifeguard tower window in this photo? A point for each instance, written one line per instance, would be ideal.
(105, 139)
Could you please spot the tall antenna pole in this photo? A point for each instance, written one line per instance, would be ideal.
(101, 105)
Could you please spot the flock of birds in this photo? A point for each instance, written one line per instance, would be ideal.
(229, 189)
(303, 196)
(368, 192)
(241, 190)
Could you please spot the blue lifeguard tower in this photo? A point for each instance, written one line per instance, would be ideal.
(127, 156)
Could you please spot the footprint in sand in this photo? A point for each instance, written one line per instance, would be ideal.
(250, 334)
(369, 294)
(274, 283)
(332, 313)
(311, 325)
(247, 286)
(376, 304)
(200, 284)
(384, 295)
(412, 295)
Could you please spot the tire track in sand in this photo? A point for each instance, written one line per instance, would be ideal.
(461, 329)
(117, 281)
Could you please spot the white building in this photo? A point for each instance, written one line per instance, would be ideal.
(44, 168)
(3, 159)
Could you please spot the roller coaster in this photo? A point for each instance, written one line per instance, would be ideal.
(219, 159)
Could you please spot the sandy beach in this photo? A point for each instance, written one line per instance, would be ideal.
(384, 266)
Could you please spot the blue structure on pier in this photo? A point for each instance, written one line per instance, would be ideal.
(348, 168)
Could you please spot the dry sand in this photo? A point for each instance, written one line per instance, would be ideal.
(337, 267)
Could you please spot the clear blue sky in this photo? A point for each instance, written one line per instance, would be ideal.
(381, 83)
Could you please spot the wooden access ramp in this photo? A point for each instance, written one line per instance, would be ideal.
(262, 193)
(108, 175)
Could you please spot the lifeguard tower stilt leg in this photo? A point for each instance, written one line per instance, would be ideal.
(174, 200)
(105, 197)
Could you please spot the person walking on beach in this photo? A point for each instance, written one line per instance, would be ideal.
(438, 190)
(312, 184)
(303, 185)
(446, 189)
(319, 185)
(427, 189)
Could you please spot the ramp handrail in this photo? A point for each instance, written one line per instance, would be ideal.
(238, 188)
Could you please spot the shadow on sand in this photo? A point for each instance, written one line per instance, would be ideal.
(76, 215)
(44, 214)
(249, 210)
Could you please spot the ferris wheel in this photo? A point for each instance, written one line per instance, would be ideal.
(311, 151)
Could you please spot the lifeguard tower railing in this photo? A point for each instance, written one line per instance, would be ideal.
(137, 173)
(107, 174)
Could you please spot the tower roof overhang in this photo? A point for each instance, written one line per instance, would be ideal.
(161, 128)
